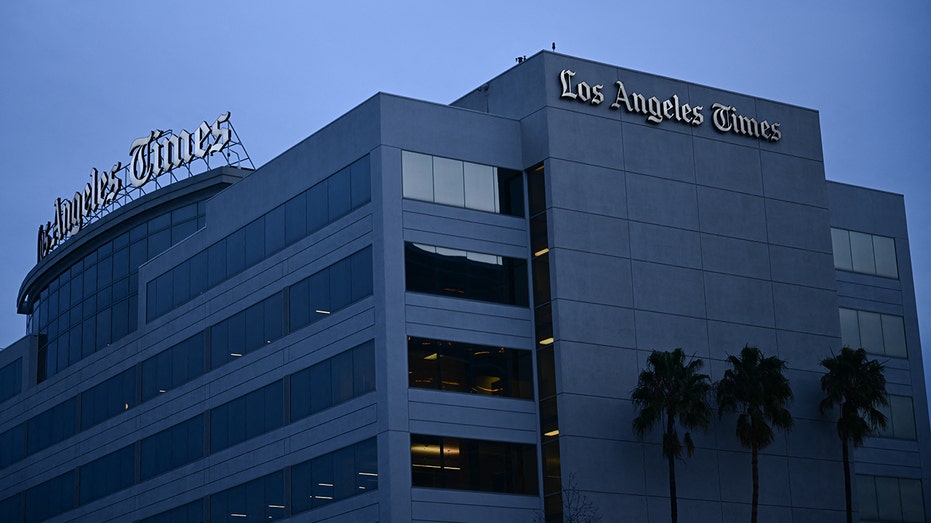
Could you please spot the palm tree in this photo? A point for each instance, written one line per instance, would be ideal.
(675, 392)
(757, 389)
(858, 386)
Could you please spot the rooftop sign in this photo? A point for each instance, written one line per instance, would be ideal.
(724, 118)
(154, 155)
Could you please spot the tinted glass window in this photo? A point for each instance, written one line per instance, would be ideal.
(465, 367)
(462, 274)
(468, 464)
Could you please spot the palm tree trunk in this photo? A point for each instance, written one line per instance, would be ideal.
(847, 489)
(673, 508)
(755, 465)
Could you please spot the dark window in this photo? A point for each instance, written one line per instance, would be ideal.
(12, 445)
(335, 476)
(248, 416)
(52, 426)
(331, 289)
(340, 378)
(192, 512)
(172, 447)
(465, 367)
(259, 500)
(890, 499)
(11, 379)
(469, 464)
(107, 475)
(109, 398)
(50, 498)
(462, 274)
(173, 366)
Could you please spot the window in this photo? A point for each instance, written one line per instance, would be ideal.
(247, 330)
(335, 476)
(173, 367)
(877, 333)
(52, 426)
(462, 184)
(109, 398)
(463, 274)
(106, 475)
(332, 381)
(306, 213)
(465, 367)
(172, 447)
(259, 500)
(50, 498)
(331, 289)
(469, 464)
(246, 417)
(888, 500)
(11, 379)
(193, 512)
(900, 418)
(864, 253)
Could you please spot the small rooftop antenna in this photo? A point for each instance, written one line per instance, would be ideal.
(554, 46)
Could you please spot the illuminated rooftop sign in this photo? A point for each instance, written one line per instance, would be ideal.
(724, 118)
(154, 155)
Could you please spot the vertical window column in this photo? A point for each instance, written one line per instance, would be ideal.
(545, 346)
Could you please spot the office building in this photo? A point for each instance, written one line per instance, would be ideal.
(428, 312)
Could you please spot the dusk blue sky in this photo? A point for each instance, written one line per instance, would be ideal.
(81, 80)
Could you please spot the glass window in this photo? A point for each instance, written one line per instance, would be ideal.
(295, 217)
(469, 464)
(877, 333)
(52, 426)
(256, 413)
(274, 231)
(11, 378)
(172, 447)
(417, 176)
(235, 252)
(13, 445)
(481, 187)
(255, 242)
(462, 274)
(890, 499)
(257, 501)
(884, 250)
(465, 367)
(109, 398)
(192, 512)
(448, 184)
(338, 475)
(865, 253)
(173, 367)
(318, 209)
(900, 418)
(106, 475)
(361, 181)
(339, 194)
(50, 498)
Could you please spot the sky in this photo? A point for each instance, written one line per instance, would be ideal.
(81, 80)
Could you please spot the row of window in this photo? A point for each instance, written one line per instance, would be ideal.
(471, 464)
(876, 333)
(465, 367)
(462, 274)
(225, 341)
(865, 253)
(339, 475)
(11, 379)
(462, 184)
(306, 213)
(340, 378)
(890, 500)
(900, 418)
(95, 302)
